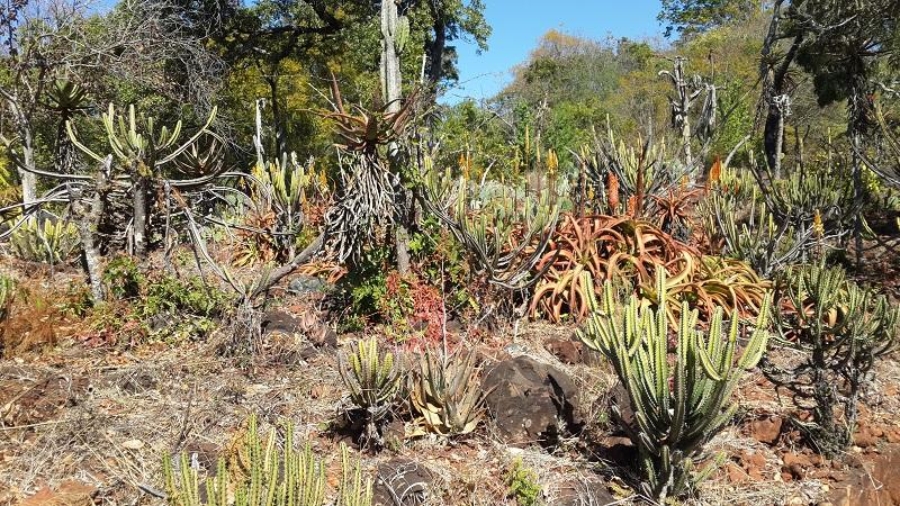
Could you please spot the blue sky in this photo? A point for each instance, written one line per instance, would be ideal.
(518, 24)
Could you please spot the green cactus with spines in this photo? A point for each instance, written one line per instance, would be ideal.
(372, 378)
(276, 476)
(138, 144)
(680, 402)
(354, 490)
(840, 329)
(401, 38)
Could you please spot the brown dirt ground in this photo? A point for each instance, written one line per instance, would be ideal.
(82, 425)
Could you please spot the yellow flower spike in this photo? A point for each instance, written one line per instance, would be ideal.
(818, 227)
(552, 162)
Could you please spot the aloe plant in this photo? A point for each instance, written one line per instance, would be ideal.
(373, 380)
(621, 179)
(841, 329)
(505, 233)
(446, 393)
(48, 241)
(680, 402)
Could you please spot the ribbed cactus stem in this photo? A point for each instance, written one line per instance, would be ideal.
(680, 400)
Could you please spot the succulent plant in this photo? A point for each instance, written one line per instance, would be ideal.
(354, 491)
(7, 285)
(373, 380)
(680, 400)
(263, 474)
(447, 394)
(606, 247)
(841, 329)
(504, 232)
(766, 245)
(44, 240)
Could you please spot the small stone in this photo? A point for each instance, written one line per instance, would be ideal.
(134, 444)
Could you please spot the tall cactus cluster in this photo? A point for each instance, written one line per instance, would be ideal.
(373, 379)
(141, 152)
(840, 328)
(271, 476)
(680, 400)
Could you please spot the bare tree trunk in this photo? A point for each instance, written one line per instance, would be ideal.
(29, 179)
(436, 48)
(27, 162)
(87, 219)
(391, 83)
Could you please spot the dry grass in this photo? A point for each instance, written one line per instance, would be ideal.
(114, 415)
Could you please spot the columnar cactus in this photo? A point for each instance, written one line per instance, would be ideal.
(373, 379)
(680, 402)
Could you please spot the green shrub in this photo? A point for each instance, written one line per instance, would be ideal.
(522, 485)
(122, 278)
(193, 296)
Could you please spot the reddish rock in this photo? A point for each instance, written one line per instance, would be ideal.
(735, 473)
(867, 436)
(766, 430)
(754, 463)
(567, 351)
(876, 483)
(796, 464)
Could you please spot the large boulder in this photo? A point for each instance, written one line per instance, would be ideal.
(531, 402)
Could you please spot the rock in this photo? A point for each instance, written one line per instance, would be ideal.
(577, 493)
(766, 430)
(139, 382)
(735, 473)
(530, 402)
(279, 322)
(589, 357)
(308, 285)
(867, 435)
(754, 463)
(567, 351)
(618, 396)
(133, 444)
(876, 483)
(286, 328)
(402, 482)
(796, 465)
